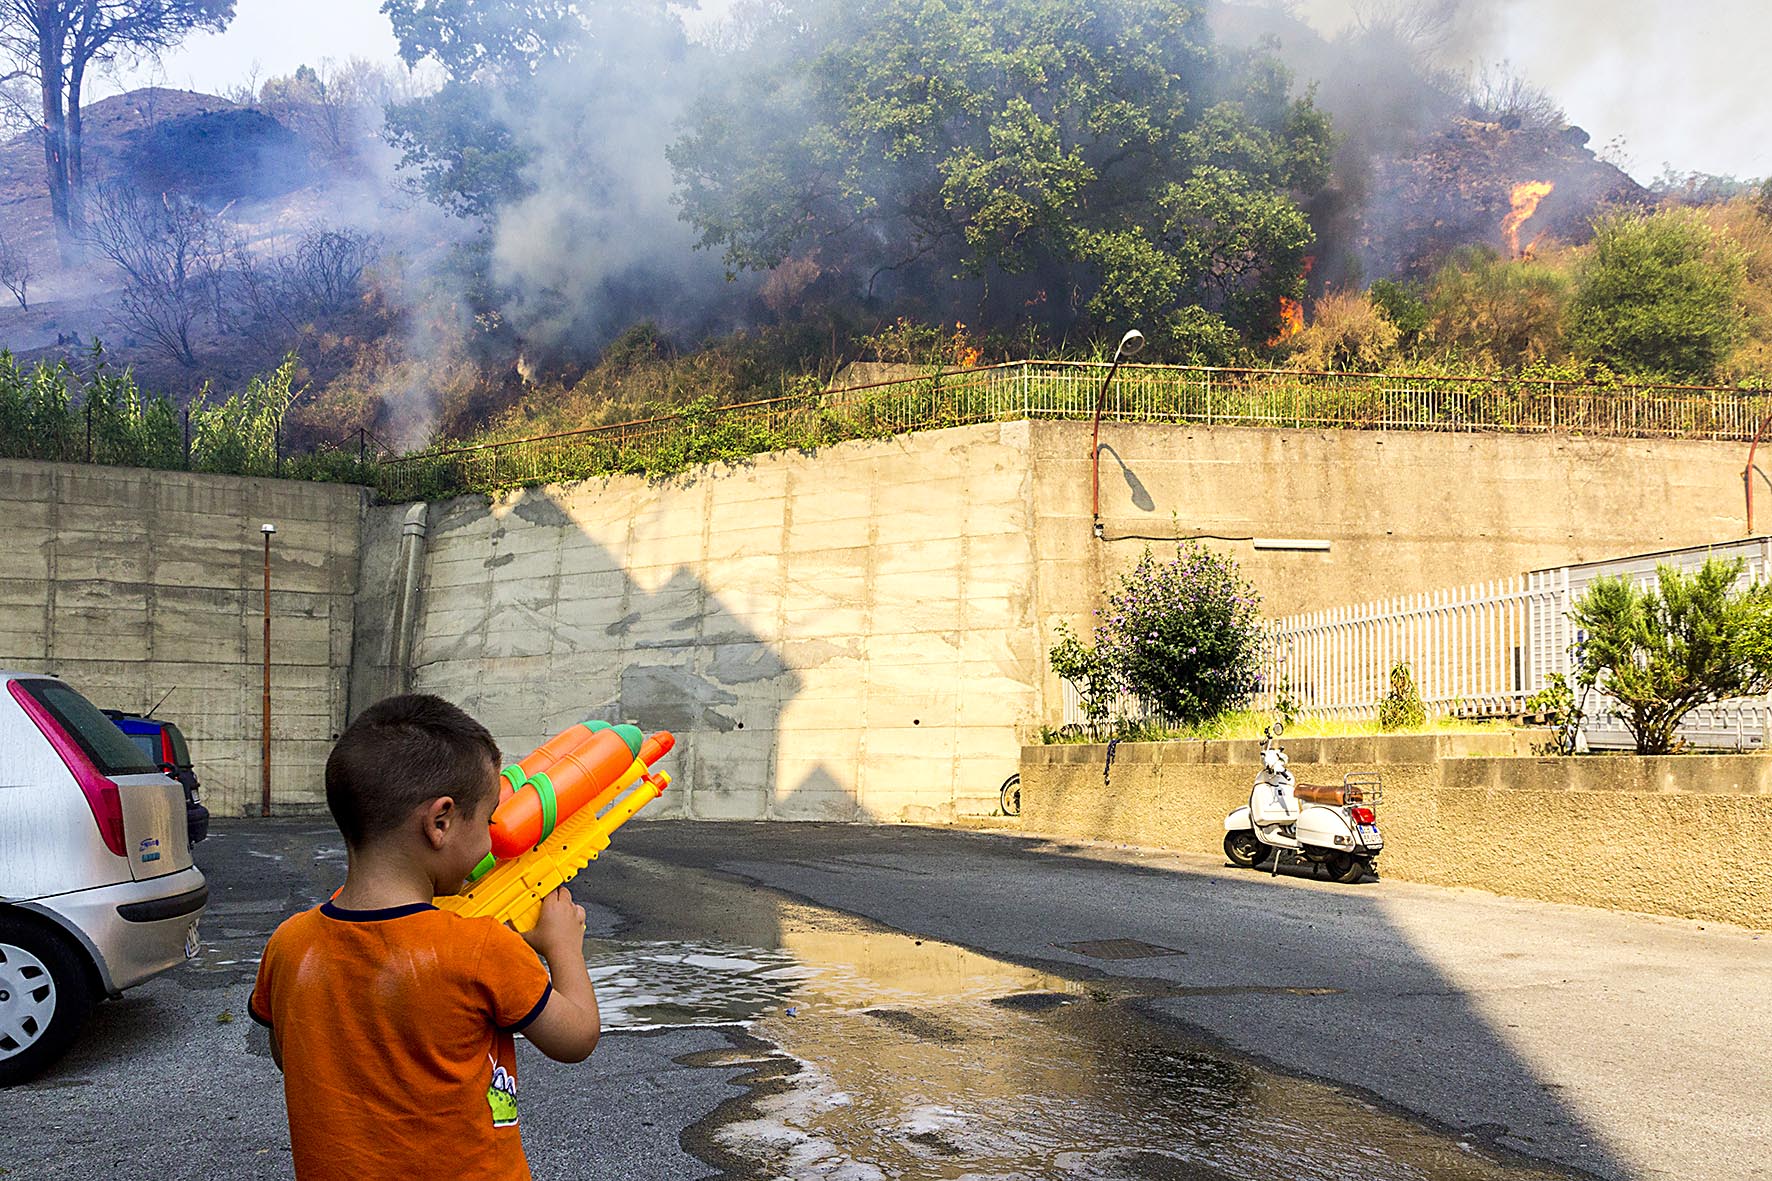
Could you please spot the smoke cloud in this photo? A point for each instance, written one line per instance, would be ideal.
(597, 245)
(1678, 83)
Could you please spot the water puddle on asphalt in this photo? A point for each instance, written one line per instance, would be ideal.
(890, 1057)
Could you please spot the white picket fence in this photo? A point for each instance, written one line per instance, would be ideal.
(1469, 650)
(1475, 651)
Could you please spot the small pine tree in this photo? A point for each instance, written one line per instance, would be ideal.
(1402, 707)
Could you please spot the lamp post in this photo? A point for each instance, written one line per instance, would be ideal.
(1129, 345)
(265, 724)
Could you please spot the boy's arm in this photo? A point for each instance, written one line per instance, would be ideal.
(258, 1006)
(568, 1026)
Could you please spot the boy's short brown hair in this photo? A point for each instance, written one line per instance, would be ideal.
(401, 753)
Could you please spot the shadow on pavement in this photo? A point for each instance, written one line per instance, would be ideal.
(1313, 983)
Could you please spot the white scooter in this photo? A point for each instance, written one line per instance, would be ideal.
(1331, 827)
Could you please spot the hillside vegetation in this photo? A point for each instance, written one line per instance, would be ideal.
(579, 215)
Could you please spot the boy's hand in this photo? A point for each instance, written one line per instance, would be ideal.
(567, 1028)
(560, 931)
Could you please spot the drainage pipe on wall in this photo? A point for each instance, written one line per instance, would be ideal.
(405, 622)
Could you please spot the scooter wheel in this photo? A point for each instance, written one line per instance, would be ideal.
(1244, 850)
(1346, 868)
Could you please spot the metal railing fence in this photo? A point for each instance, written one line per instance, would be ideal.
(1065, 389)
(1468, 650)
(1480, 651)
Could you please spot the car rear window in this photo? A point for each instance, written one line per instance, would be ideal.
(147, 744)
(181, 754)
(109, 748)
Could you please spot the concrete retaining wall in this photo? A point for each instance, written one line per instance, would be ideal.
(861, 633)
(1667, 835)
(841, 636)
(1406, 511)
(130, 583)
(856, 634)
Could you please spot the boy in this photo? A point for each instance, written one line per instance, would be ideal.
(393, 1021)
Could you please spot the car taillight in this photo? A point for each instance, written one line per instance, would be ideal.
(1365, 816)
(107, 812)
(166, 758)
(101, 794)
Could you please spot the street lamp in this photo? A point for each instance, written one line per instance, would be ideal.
(265, 724)
(1129, 345)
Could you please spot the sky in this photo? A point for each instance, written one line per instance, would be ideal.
(271, 37)
(1679, 82)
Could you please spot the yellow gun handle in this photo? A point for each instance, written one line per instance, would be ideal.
(514, 891)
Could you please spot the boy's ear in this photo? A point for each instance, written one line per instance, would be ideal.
(437, 816)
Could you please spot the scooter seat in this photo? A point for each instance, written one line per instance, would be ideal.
(1335, 796)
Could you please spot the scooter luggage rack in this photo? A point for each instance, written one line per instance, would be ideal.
(1363, 787)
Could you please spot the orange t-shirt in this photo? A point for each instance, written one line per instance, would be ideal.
(396, 1028)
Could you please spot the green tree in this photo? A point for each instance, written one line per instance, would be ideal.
(1497, 314)
(465, 140)
(1078, 162)
(1076, 663)
(465, 155)
(466, 160)
(1662, 651)
(1185, 635)
(1659, 296)
(1403, 306)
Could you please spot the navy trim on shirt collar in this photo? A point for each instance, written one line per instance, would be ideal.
(533, 1013)
(373, 916)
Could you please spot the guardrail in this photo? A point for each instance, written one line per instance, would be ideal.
(1066, 389)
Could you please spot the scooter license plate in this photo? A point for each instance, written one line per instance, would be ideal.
(1369, 834)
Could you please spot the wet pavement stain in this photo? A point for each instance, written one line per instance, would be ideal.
(868, 1054)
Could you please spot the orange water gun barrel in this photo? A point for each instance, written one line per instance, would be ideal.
(652, 750)
(567, 741)
(657, 747)
(581, 773)
(560, 786)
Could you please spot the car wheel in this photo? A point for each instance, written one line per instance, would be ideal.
(45, 997)
(1243, 849)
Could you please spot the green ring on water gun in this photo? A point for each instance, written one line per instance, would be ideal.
(544, 791)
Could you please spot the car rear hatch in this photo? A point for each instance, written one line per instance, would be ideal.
(140, 812)
(154, 829)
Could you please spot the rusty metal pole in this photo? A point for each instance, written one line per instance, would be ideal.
(1129, 344)
(265, 723)
(1747, 476)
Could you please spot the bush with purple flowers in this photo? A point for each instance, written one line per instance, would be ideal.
(1185, 635)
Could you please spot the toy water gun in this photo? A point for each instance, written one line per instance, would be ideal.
(557, 810)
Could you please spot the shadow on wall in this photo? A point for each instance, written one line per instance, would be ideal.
(1141, 496)
(538, 625)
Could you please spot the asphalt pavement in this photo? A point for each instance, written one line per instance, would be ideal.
(839, 1001)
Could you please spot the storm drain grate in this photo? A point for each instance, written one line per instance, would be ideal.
(1119, 949)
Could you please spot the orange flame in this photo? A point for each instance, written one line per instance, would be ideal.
(1525, 198)
(1291, 321)
(966, 354)
(1292, 311)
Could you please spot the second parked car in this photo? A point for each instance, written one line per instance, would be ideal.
(164, 743)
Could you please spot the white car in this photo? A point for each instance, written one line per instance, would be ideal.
(97, 889)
